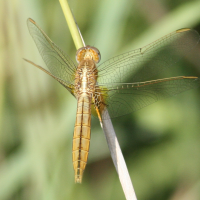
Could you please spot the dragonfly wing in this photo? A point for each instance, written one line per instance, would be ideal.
(70, 87)
(121, 99)
(58, 63)
(143, 63)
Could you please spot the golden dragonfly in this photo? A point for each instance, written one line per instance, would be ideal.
(121, 85)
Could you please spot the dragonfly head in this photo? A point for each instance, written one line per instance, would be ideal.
(88, 52)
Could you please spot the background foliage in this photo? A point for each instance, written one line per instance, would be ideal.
(161, 143)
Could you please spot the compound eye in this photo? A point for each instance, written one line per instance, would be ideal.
(95, 54)
(80, 54)
(83, 52)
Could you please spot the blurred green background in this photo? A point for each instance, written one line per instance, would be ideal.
(160, 143)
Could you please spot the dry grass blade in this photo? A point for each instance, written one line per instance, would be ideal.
(118, 159)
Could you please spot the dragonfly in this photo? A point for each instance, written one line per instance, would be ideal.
(120, 85)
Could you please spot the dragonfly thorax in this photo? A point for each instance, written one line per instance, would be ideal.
(85, 78)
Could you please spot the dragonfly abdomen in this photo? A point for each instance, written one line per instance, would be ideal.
(81, 138)
(85, 80)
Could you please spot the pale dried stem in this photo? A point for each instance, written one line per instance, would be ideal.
(118, 158)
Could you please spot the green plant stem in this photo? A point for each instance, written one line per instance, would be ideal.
(72, 24)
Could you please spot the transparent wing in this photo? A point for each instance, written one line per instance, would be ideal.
(142, 64)
(58, 63)
(67, 86)
(124, 98)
